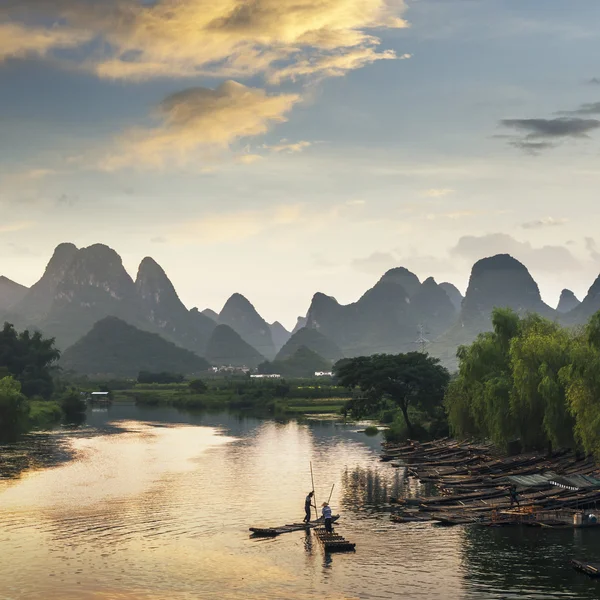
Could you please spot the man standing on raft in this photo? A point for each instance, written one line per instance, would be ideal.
(308, 506)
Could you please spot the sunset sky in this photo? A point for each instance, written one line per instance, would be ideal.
(281, 147)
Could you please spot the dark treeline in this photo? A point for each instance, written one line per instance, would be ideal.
(528, 383)
(31, 391)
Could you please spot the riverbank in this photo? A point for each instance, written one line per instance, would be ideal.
(292, 397)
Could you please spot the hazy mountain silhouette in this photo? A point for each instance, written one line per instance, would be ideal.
(226, 347)
(162, 307)
(116, 348)
(239, 314)
(386, 318)
(211, 314)
(567, 302)
(453, 293)
(11, 292)
(313, 340)
(279, 334)
(300, 323)
(38, 300)
(588, 306)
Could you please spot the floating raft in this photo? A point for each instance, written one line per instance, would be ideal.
(591, 569)
(332, 542)
(274, 531)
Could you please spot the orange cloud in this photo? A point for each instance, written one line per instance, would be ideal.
(228, 38)
(200, 120)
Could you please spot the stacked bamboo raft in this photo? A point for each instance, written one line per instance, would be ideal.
(591, 569)
(332, 542)
(470, 485)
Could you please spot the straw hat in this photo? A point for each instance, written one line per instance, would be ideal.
(324, 504)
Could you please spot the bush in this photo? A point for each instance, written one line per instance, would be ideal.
(14, 407)
(398, 432)
(198, 386)
(72, 404)
(44, 413)
(371, 430)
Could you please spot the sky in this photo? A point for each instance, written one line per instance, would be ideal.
(277, 148)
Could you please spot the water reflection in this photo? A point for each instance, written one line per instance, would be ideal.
(156, 504)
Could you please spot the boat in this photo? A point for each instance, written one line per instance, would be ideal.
(275, 531)
(591, 569)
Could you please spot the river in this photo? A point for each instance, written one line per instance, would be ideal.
(155, 504)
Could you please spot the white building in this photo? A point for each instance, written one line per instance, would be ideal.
(266, 376)
(323, 374)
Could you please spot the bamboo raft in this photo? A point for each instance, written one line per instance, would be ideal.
(332, 542)
(591, 569)
(471, 484)
(275, 531)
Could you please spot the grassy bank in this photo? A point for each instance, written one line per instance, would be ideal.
(43, 413)
(275, 397)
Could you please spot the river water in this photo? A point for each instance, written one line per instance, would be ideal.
(155, 504)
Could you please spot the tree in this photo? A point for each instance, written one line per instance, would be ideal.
(538, 402)
(409, 380)
(478, 401)
(30, 359)
(198, 386)
(13, 405)
(72, 404)
(582, 381)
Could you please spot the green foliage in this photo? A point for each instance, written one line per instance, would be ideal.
(72, 404)
(162, 377)
(582, 381)
(198, 386)
(44, 413)
(371, 430)
(303, 363)
(410, 381)
(29, 358)
(14, 408)
(530, 379)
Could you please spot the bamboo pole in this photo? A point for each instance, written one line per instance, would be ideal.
(313, 489)
(330, 493)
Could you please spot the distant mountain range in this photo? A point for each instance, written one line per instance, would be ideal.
(81, 287)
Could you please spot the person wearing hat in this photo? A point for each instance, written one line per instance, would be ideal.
(326, 512)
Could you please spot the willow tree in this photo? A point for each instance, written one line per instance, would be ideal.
(478, 401)
(538, 399)
(582, 380)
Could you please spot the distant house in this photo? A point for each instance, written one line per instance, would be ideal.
(100, 397)
(266, 376)
(323, 374)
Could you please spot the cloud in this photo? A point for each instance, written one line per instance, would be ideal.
(542, 134)
(236, 226)
(562, 127)
(288, 147)
(547, 258)
(20, 41)
(590, 108)
(376, 263)
(13, 227)
(545, 222)
(459, 214)
(200, 119)
(229, 38)
(333, 65)
(438, 192)
(590, 246)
